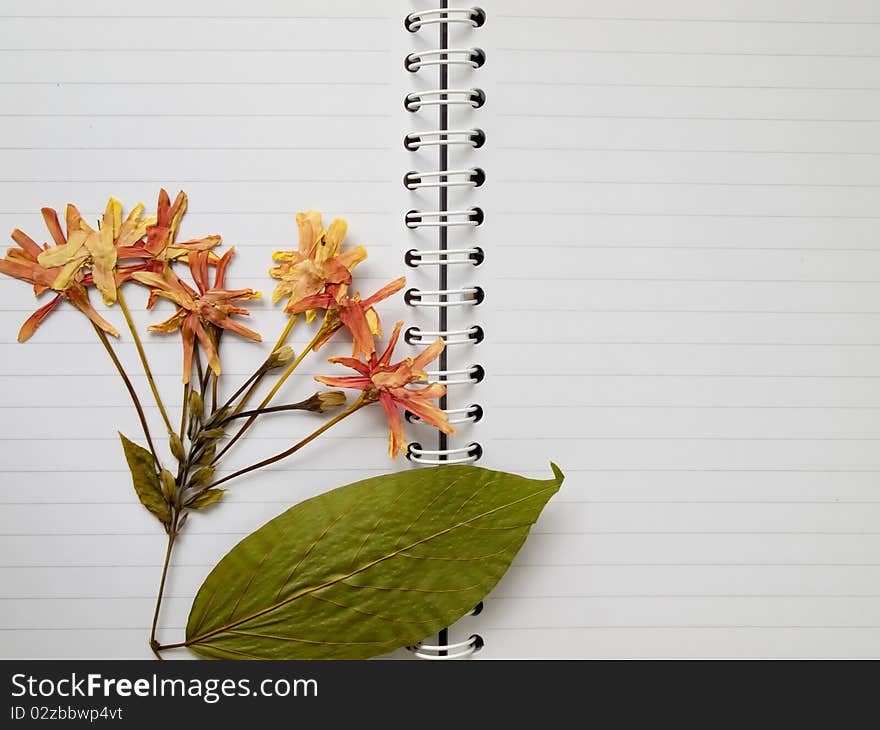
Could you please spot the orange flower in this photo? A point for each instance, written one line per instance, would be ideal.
(161, 244)
(200, 311)
(317, 265)
(388, 383)
(24, 263)
(97, 250)
(357, 315)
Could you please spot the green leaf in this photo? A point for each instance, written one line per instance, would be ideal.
(206, 498)
(367, 568)
(146, 479)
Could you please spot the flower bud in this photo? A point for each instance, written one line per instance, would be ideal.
(169, 485)
(281, 356)
(324, 401)
(176, 446)
(202, 477)
(196, 404)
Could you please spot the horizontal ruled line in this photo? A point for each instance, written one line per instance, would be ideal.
(684, 150)
(736, 87)
(178, 49)
(687, 54)
(534, 532)
(656, 19)
(174, 115)
(685, 183)
(494, 598)
(682, 118)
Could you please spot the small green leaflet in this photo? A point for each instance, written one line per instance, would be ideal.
(367, 568)
(146, 479)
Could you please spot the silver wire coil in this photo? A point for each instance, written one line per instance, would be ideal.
(472, 256)
(473, 57)
(444, 218)
(466, 297)
(459, 650)
(472, 414)
(471, 336)
(476, 138)
(436, 457)
(474, 373)
(445, 297)
(415, 100)
(418, 19)
(473, 177)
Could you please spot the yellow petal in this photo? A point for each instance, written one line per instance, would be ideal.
(310, 229)
(62, 279)
(332, 241)
(112, 217)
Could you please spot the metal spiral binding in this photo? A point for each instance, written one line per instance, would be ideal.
(441, 218)
(445, 297)
(474, 373)
(468, 296)
(416, 100)
(472, 256)
(472, 178)
(413, 141)
(473, 57)
(420, 18)
(472, 414)
(471, 336)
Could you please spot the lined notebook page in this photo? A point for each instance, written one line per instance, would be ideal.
(683, 303)
(257, 112)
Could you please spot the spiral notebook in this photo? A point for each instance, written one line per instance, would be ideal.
(648, 232)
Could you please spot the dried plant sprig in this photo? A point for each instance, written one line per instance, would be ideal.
(144, 250)
(200, 313)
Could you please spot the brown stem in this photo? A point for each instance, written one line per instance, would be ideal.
(184, 409)
(284, 376)
(143, 356)
(154, 644)
(258, 376)
(301, 406)
(365, 399)
(131, 391)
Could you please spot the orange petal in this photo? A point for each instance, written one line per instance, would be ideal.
(79, 297)
(396, 435)
(310, 229)
(346, 382)
(386, 291)
(50, 216)
(392, 342)
(36, 319)
(429, 354)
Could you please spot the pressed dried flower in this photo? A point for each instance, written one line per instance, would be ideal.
(389, 384)
(317, 267)
(24, 263)
(355, 313)
(202, 310)
(83, 247)
(161, 244)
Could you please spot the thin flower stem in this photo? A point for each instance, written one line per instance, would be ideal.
(258, 376)
(272, 409)
(183, 410)
(286, 331)
(131, 391)
(143, 356)
(154, 644)
(284, 376)
(214, 382)
(364, 399)
(199, 371)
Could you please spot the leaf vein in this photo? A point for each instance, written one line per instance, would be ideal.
(306, 591)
